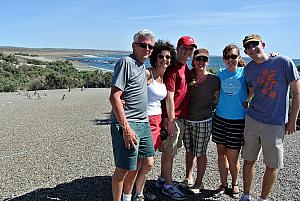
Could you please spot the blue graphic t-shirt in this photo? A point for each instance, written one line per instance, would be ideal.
(233, 93)
(270, 81)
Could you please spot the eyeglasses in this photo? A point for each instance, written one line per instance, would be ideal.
(233, 56)
(162, 57)
(145, 45)
(201, 58)
(251, 44)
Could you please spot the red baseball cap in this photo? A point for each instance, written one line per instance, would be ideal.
(186, 41)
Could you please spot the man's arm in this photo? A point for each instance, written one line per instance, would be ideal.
(246, 103)
(170, 111)
(129, 135)
(170, 105)
(295, 90)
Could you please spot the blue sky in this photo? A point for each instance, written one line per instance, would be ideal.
(110, 24)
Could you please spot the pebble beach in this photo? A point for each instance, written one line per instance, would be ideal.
(55, 148)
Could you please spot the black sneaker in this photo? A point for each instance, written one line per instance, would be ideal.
(160, 182)
(174, 193)
(148, 195)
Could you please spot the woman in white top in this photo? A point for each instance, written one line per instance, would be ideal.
(163, 55)
(161, 58)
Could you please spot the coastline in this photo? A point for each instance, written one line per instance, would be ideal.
(57, 54)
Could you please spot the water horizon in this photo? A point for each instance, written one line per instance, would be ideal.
(108, 61)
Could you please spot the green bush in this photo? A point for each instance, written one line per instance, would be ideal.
(52, 75)
(9, 58)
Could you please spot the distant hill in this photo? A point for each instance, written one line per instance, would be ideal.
(54, 52)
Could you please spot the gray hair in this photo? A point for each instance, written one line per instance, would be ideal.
(145, 33)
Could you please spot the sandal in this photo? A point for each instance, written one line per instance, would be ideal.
(235, 194)
(220, 191)
(195, 190)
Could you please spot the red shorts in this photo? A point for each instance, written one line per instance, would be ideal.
(155, 126)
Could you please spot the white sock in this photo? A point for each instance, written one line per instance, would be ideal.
(126, 197)
(260, 199)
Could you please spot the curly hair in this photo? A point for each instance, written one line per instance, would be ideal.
(160, 46)
(230, 47)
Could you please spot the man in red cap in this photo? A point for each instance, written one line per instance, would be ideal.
(176, 79)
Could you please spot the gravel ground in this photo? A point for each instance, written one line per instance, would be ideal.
(54, 149)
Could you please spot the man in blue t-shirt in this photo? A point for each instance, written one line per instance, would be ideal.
(266, 122)
(130, 130)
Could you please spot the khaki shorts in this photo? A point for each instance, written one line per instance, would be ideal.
(268, 137)
(172, 143)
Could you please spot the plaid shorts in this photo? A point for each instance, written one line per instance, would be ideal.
(196, 136)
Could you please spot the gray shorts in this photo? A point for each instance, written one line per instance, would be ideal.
(268, 137)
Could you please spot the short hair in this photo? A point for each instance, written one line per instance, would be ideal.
(143, 34)
(230, 47)
(160, 46)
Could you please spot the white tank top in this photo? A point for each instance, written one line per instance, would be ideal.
(156, 92)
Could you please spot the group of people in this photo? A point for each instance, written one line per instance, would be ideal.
(167, 106)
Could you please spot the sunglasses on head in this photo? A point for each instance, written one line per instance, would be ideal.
(233, 56)
(162, 57)
(251, 44)
(145, 46)
(201, 58)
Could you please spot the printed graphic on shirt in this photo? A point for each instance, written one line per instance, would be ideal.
(231, 86)
(268, 82)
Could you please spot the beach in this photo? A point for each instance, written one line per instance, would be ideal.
(54, 149)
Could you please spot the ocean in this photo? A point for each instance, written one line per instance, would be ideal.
(107, 61)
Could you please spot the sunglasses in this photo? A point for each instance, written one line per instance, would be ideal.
(251, 44)
(162, 57)
(233, 56)
(201, 58)
(145, 46)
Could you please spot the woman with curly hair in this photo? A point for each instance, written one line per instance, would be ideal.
(163, 56)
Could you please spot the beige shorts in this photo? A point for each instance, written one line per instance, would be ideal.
(268, 137)
(174, 142)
